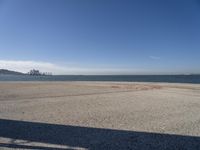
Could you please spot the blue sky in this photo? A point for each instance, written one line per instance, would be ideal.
(101, 36)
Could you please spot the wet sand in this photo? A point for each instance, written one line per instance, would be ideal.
(99, 115)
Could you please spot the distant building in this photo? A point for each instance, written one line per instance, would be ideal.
(34, 72)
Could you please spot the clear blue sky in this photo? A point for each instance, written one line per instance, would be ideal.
(107, 36)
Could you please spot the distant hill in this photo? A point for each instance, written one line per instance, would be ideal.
(9, 72)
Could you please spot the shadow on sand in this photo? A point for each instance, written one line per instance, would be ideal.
(90, 138)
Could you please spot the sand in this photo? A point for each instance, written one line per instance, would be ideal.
(99, 115)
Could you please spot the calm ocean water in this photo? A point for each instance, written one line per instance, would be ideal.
(131, 78)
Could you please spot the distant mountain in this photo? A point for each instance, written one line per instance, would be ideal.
(9, 72)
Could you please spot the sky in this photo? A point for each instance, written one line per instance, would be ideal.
(100, 36)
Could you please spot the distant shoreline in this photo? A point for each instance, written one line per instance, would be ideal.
(32, 72)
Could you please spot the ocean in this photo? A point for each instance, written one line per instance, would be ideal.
(120, 78)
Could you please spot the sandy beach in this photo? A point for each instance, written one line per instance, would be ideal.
(99, 115)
